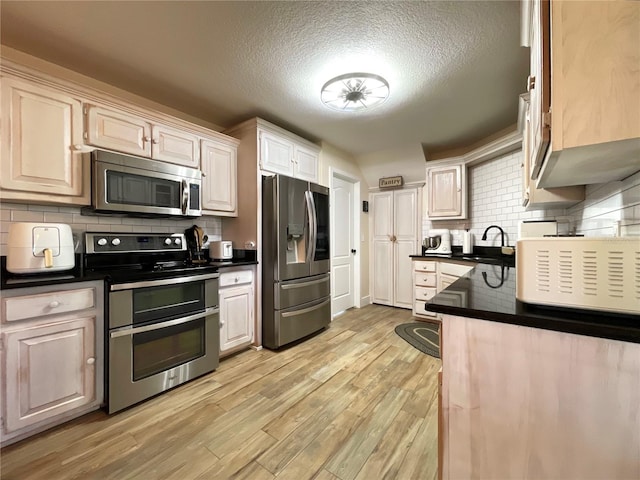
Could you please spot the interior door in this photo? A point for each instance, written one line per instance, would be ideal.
(342, 259)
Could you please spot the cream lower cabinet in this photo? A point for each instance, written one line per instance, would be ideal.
(219, 179)
(52, 354)
(236, 309)
(395, 226)
(41, 145)
(522, 402)
(431, 277)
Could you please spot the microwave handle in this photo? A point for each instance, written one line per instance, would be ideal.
(185, 196)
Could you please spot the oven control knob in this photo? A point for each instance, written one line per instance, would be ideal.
(167, 241)
(102, 242)
(115, 242)
(177, 241)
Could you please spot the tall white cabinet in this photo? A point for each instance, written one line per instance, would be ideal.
(395, 227)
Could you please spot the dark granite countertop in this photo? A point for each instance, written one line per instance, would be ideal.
(488, 292)
(78, 274)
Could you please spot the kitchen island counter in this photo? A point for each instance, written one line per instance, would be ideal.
(490, 294)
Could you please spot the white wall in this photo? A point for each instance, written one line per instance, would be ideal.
(16, 212)
(407, 161)
(608, 205)
(332, 157)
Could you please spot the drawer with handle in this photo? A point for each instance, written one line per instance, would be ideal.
(237, 277)
(424, 266)
(51, 303)
(424, 293)
(426, 279)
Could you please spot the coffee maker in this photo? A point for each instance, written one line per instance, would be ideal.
(438, 242)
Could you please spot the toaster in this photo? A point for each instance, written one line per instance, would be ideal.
(40, 247)
(221, 250)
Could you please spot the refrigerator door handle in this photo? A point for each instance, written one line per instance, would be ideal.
(311, 238)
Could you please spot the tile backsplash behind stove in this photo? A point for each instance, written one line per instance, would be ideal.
(16, 212)
(495, 198)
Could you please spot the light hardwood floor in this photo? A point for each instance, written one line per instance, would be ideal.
(354, 402)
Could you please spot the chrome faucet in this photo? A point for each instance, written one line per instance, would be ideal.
(484, 235)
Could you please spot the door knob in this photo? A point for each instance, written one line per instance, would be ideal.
(353, 250)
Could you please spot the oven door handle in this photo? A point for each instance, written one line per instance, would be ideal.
(123, 332)
(166, 281)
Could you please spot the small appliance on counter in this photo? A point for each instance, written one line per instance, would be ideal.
(537, 228)
(594, 273)
(195, 238)
(438, 242)
(40, 248)
(221, 250)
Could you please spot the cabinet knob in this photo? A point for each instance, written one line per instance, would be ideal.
(146, 139)
(77, 147)
(221, 323)
(155, 141)
(204, 174)
(54, 304)
(91, 361)
(237, 280)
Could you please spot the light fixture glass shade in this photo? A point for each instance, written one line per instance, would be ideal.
(355, 91)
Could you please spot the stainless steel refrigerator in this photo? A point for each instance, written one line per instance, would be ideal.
(296, 299)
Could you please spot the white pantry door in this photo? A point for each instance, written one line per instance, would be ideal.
(342, 260)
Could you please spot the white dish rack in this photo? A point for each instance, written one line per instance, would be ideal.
(580, 272)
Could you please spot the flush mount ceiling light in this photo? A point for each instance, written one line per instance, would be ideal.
(355, 91)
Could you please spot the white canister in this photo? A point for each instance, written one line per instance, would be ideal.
(467, 242)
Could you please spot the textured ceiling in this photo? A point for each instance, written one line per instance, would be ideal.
(455, 68)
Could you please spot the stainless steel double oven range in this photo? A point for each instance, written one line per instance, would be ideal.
(163, 325)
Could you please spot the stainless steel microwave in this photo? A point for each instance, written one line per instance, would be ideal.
(135, 185)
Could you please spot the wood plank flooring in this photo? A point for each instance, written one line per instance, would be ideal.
(354, 402)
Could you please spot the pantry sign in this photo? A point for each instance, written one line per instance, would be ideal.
(390, 182)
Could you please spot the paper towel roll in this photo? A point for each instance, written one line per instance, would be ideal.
(467, 242)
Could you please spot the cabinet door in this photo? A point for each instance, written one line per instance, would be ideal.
(382, 255)
(117, 131)
(236, 317)
(174, 146)
(539, 86)
(276, 154)
(54, 369)
(219, 182)
(305, 164)
(41, 145)
(446, 192)
(405, 228)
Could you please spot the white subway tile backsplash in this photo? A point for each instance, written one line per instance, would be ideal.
(26, 216)
(495, 193)
(15, 212)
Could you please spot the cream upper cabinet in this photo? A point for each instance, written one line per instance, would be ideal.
(585, 91)
(276, 154)
(288, 155)
(532, 196)
(447, 192)
(115, 130)
(395, 226)
(41, 145)
(305, 163)
(175, 146)
(219, 181)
